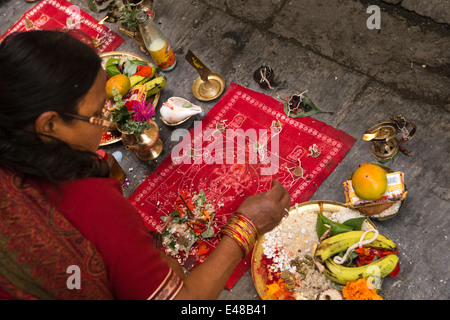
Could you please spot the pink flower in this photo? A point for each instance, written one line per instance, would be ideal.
(143, 111)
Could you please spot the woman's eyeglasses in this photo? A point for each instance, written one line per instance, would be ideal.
(105, 120)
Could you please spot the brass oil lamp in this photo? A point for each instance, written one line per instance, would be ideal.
(385, 144)
(209, 85)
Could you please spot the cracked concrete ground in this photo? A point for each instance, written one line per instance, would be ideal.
(359, 74)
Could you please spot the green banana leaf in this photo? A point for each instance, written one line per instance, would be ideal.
(355, 223)
(323, 224)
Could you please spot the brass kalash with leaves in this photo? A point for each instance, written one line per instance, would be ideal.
(385, 144)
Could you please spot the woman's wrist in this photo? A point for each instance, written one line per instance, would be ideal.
(242, 230)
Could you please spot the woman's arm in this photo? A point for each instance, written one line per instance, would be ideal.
(208, 279)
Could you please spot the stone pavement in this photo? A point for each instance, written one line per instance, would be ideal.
(362, 75)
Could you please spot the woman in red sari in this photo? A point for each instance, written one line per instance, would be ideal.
(60, 213)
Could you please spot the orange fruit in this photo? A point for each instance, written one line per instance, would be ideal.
(119, 82)
(369, 182)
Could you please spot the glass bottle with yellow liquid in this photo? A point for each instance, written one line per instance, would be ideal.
(156, 43)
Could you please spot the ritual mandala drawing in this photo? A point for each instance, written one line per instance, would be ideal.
(228, 184)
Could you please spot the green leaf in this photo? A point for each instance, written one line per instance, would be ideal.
(92, 5)
(349, 261)
(172, 244)
(208, 233)
(97, 7)
(112, 67)
(164, 218)
(323, 224)
(175, 214)
(320, 226)
(128, 18)
(121, 113)
(130, 67)
(137, 128)
(335, 227)
(201, 197)
(191, 243)
(301, 113)
(355, 223)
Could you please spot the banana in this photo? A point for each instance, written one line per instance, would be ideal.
(340, 242)
(155, 85)
(138, 80)
(378, 268)
(153, 71)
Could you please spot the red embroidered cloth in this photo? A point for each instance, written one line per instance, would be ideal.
(60, 14)
(227, 185)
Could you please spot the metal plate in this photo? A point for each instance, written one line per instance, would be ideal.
(124, 56)
(207, 92)
(311, 207)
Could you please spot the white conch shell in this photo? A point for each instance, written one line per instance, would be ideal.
(178, 109)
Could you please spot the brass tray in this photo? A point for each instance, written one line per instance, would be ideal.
(311, 207)
(124, 56)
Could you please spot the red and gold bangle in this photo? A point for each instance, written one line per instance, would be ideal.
(242, 230)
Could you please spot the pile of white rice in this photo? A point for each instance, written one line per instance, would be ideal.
(295, 238)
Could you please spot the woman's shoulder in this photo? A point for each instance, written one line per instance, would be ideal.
(90, 186)
(93, 193)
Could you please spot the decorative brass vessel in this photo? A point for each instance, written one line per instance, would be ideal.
(385, 144)
(147, 146)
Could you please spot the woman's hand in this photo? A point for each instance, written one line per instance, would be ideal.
(266, 211)
(268, 208)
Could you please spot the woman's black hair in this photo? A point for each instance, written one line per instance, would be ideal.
(42, 71)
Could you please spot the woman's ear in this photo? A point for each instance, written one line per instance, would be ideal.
(46, 123)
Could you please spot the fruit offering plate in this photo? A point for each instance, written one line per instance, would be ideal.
(110, 137)
(292, 243)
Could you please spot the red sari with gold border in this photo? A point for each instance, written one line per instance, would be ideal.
(89, 225)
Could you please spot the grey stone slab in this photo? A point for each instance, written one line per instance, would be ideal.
(421, 227)
(338, 30)
(392, 1)
(250, 10)
(11, 11)
(438, 10)
(236, 54)
(179, 19)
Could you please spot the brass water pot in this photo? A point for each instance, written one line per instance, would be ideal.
(147, 146)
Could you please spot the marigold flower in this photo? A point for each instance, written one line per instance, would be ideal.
(359, 290)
